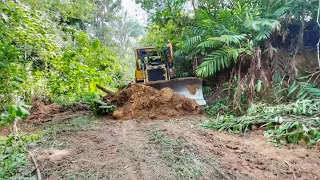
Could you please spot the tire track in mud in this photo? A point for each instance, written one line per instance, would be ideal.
(144, 161)
(147, 159)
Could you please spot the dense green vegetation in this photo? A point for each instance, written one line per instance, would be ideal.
(248, 53)
(13, 155)
(13, 148)
(246, 40)
(60, 49)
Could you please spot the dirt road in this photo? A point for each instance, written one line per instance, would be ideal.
(177, 149)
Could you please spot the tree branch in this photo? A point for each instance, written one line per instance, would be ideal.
(16, 131)
(104, 89)
(39, 177)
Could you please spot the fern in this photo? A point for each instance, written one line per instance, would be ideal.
(304, 91)
(206, 89)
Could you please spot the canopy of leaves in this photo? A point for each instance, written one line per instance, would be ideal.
(221, 25)
(61, 49)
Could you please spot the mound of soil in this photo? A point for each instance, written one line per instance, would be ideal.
(144, 102)
(41, 111)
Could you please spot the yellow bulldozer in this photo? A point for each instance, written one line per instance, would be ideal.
(155, 68)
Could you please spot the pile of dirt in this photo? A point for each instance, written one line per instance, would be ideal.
(41, 111)
(144, 102)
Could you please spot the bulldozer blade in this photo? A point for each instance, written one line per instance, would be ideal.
(190, 87)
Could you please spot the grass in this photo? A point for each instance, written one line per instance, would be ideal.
(50, 133)
(178, 155)
(83, 175)
(77, 175)
(187, 161)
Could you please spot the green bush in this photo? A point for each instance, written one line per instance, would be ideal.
(13, 154)
(13, 148)
(14, 112)
(222, 106)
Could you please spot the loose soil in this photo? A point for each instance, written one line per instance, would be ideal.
(41, 112)
(128, 150)
(144, 102)
(165, 149)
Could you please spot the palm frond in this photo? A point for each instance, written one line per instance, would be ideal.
(252, 24)
(192, 41)
(198, 30)
(304, 91)
(276, 26)
(282, 10)
(263, 34)
(213, 63)
(219, 60)
(263, 24)
(209, 44)
(236, 39)
(235, 53)
(179, 52)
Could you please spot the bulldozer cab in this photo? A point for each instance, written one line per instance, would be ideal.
(153, 65)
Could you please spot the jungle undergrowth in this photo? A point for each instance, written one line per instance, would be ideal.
(220, 106)
(13, 158)
(285, 123)
(13, 148)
